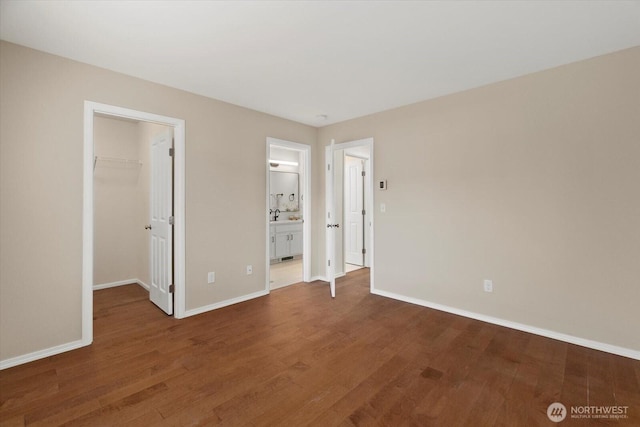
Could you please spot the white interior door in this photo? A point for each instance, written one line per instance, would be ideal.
(330, 217)
(354, 210)
(161, 222)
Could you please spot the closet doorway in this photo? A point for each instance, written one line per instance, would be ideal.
(288, 213)
(113, 173)
(132, 206)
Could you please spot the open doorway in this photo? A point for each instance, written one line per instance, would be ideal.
(356, 196)
(126, 228)
(288, 213)
(349, 204)
(171, 250)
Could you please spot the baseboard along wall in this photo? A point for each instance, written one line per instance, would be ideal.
(120, 283)
(595, 345)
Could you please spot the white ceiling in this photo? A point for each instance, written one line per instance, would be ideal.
(342, 59)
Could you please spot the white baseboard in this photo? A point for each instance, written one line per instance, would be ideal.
(40, 354)
(120, 283)
(596, 345)
(273, 288)
(225, 303)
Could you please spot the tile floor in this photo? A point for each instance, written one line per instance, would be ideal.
(286, 273)
(289, 272)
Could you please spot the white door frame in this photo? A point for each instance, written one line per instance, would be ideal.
(178, 125)
(306, 207)
(369, 201)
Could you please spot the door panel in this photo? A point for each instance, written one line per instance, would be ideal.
(296, 243)
(161, 228)
(354, 220)
(282, 245)
(330, 218)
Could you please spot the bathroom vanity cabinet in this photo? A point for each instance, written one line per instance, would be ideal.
(285, 239)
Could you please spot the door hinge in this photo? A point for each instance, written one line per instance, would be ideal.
(363, 173)
(172, 220)
(328, 167)
(329, 263)
(364, 212)
(364, 251)
(172, 288)
(171, 152)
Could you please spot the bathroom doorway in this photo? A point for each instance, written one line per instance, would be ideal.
(288, 213)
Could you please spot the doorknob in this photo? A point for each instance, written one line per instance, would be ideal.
(147, 227)
(333, 225)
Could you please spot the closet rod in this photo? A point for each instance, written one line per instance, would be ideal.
(115, 160)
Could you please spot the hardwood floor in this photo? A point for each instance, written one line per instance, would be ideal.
(297, 357)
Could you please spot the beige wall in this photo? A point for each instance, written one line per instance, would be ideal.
(532, 182)
(41, 155)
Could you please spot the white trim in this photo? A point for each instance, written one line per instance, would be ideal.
(90, 109)
(87, 227)
(121, 283)
(225, 303)
(596, 345)
(306, 207)
(40, 354)
(115, 284)
(273, 288)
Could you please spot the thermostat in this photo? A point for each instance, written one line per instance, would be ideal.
(382, 184)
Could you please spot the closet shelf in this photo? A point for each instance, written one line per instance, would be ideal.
(132, 162)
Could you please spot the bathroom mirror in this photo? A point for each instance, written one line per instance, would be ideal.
(284, 191)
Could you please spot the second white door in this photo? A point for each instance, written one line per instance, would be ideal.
(161, 226)
(354, 210)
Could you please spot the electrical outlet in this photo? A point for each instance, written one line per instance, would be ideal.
(488, 285)
(249, 269)
(211, 277)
